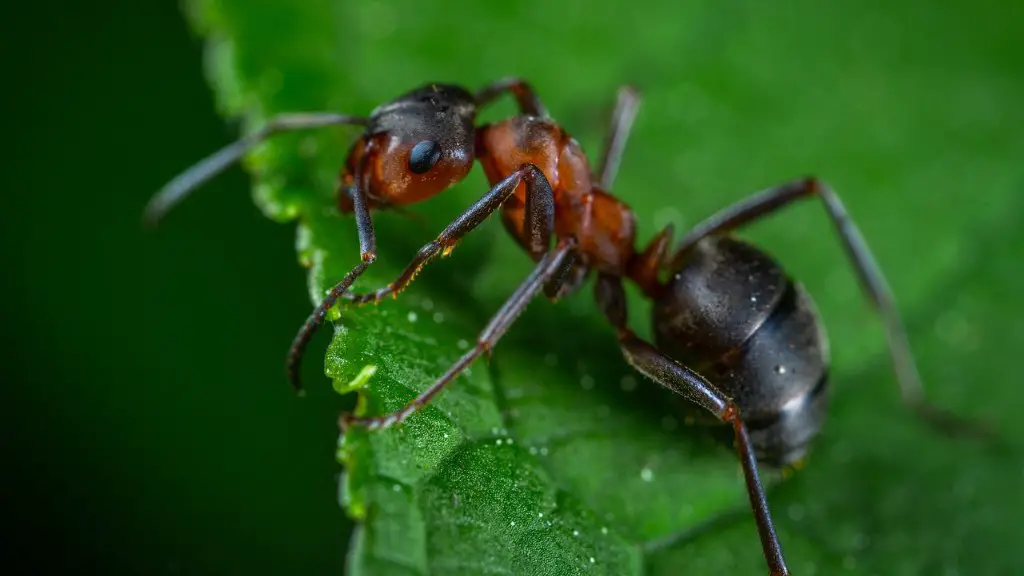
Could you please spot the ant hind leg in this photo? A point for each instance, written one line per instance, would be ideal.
(680, 379)
(765, 203)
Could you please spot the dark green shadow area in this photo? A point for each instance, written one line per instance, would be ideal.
(151, 430)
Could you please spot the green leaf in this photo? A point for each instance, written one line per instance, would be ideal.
(554, 458)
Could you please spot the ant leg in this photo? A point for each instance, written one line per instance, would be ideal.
(527, 100)
(683, 381)
(177, 189)
(643, 268)
(367, 253)
(551, 265)
(540, 218)
(626, 107)
(680, 379)
(570, 277)
(871, 278)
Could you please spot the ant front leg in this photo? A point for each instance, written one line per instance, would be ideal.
(178, 188)
(526, 98)
(680, 379)
(367, 254)
(551, 266)
(539, 216)
(871, 278)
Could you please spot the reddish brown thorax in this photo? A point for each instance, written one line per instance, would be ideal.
(433, 128)
(604, 226)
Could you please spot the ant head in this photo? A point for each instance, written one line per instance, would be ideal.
(421, 144)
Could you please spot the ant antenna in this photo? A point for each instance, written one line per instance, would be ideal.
(180, 187)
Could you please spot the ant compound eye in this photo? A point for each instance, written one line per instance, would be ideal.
(424, 156)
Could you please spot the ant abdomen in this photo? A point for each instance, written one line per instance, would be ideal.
(731, 313)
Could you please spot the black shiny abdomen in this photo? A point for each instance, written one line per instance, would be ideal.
(732, 314)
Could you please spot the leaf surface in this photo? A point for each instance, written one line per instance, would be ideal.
(554, 458)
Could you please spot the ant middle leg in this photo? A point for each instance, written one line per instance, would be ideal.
(766, 202)
(643, 268)
(627, 105)
(654, 364)
(539, 224)
(550, 267)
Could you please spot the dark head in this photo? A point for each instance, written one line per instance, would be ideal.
(417, 145)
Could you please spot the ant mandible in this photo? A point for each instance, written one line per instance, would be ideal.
(734, 333)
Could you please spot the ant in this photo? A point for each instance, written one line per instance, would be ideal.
(733, 333)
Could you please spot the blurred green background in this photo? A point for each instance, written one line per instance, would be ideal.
(151, 427)
(154, 432)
